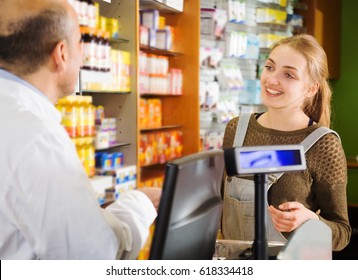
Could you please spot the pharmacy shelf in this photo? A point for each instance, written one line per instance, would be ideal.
(95, 76)
(274, 6)
(298, 5)
(268, 26)
(158, 164)
(112, 147)
(91, 92)
(157, 51)
(149, 95)
(166, 127)
(125, 107)
(157, 5)
(118, 41)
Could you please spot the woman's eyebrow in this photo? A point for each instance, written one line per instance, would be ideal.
(285, 66)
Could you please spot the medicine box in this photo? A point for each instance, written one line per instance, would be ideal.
(150, 18)
(176, 4)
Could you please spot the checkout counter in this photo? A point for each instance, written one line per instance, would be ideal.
(311, 241)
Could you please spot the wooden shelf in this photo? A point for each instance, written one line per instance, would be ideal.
(274, 27)
(157, 165)
(118, 41)
(299, 5)
(176, 109)
(112, 147)
(166, 127)
(318, 22)
(157, 51)
(153, 165)
(90, 92)
(271, 6)
(148, 95)
(156, 5)
(179, 109)
(152, 171)
(352, 162)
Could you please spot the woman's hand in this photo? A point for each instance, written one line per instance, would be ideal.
(290, 216)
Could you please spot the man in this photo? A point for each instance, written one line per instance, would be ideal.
(47, 207)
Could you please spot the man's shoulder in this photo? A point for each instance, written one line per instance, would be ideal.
(22, 129)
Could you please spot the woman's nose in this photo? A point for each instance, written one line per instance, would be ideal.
(272, 80)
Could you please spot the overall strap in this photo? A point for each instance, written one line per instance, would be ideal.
(240, 133)
(241, 129)
(315, 135)
(307, 143)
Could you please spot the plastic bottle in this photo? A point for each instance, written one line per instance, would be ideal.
(83, 13)
(100, 51)
(70, 116)
(61, 107)
(80, 147)
(99, 115)
(81, 116)
(91, 13)
(106, 52)
(89, 156)
(90, 111)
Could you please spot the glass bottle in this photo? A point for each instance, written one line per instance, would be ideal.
(89, 48)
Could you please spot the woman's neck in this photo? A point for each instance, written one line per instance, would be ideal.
(283, 121)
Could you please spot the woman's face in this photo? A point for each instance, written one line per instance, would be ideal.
(285, 79)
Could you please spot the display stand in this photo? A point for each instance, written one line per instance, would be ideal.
(260, 161)
(260, 242)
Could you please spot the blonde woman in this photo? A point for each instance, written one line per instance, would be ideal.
(295, 90)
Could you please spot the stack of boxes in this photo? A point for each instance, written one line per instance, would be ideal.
(150, 113)
(159, 147)
(111, 162)
(155, 76)
(153, 31)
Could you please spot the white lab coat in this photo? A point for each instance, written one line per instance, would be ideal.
(48, 209)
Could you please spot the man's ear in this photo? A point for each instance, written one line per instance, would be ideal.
(312, 90)
(60, 55)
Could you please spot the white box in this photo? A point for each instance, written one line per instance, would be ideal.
(150, 18)
(176, 4)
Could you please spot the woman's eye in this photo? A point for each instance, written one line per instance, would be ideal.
(289, 76)
(268, 67)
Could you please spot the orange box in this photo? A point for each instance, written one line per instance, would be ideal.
(162, 146)
(167, 149)
(157, 121)
(143, 143)
(176, 144)
(154, 113)
(143, 113)
(152, 149)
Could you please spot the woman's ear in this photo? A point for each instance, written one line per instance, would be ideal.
(312, 90)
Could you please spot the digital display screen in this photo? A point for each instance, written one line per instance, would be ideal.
(250, 160)
(270, 158)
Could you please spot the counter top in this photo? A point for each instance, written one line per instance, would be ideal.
(352, 162)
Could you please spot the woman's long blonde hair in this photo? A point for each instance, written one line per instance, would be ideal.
(318, 107)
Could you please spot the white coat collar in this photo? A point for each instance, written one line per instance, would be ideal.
(28, 96)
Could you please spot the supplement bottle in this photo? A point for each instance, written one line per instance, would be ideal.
(89, 48)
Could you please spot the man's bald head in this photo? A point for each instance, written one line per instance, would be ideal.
(30, 30)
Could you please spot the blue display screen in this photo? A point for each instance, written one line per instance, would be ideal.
(269, 158)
